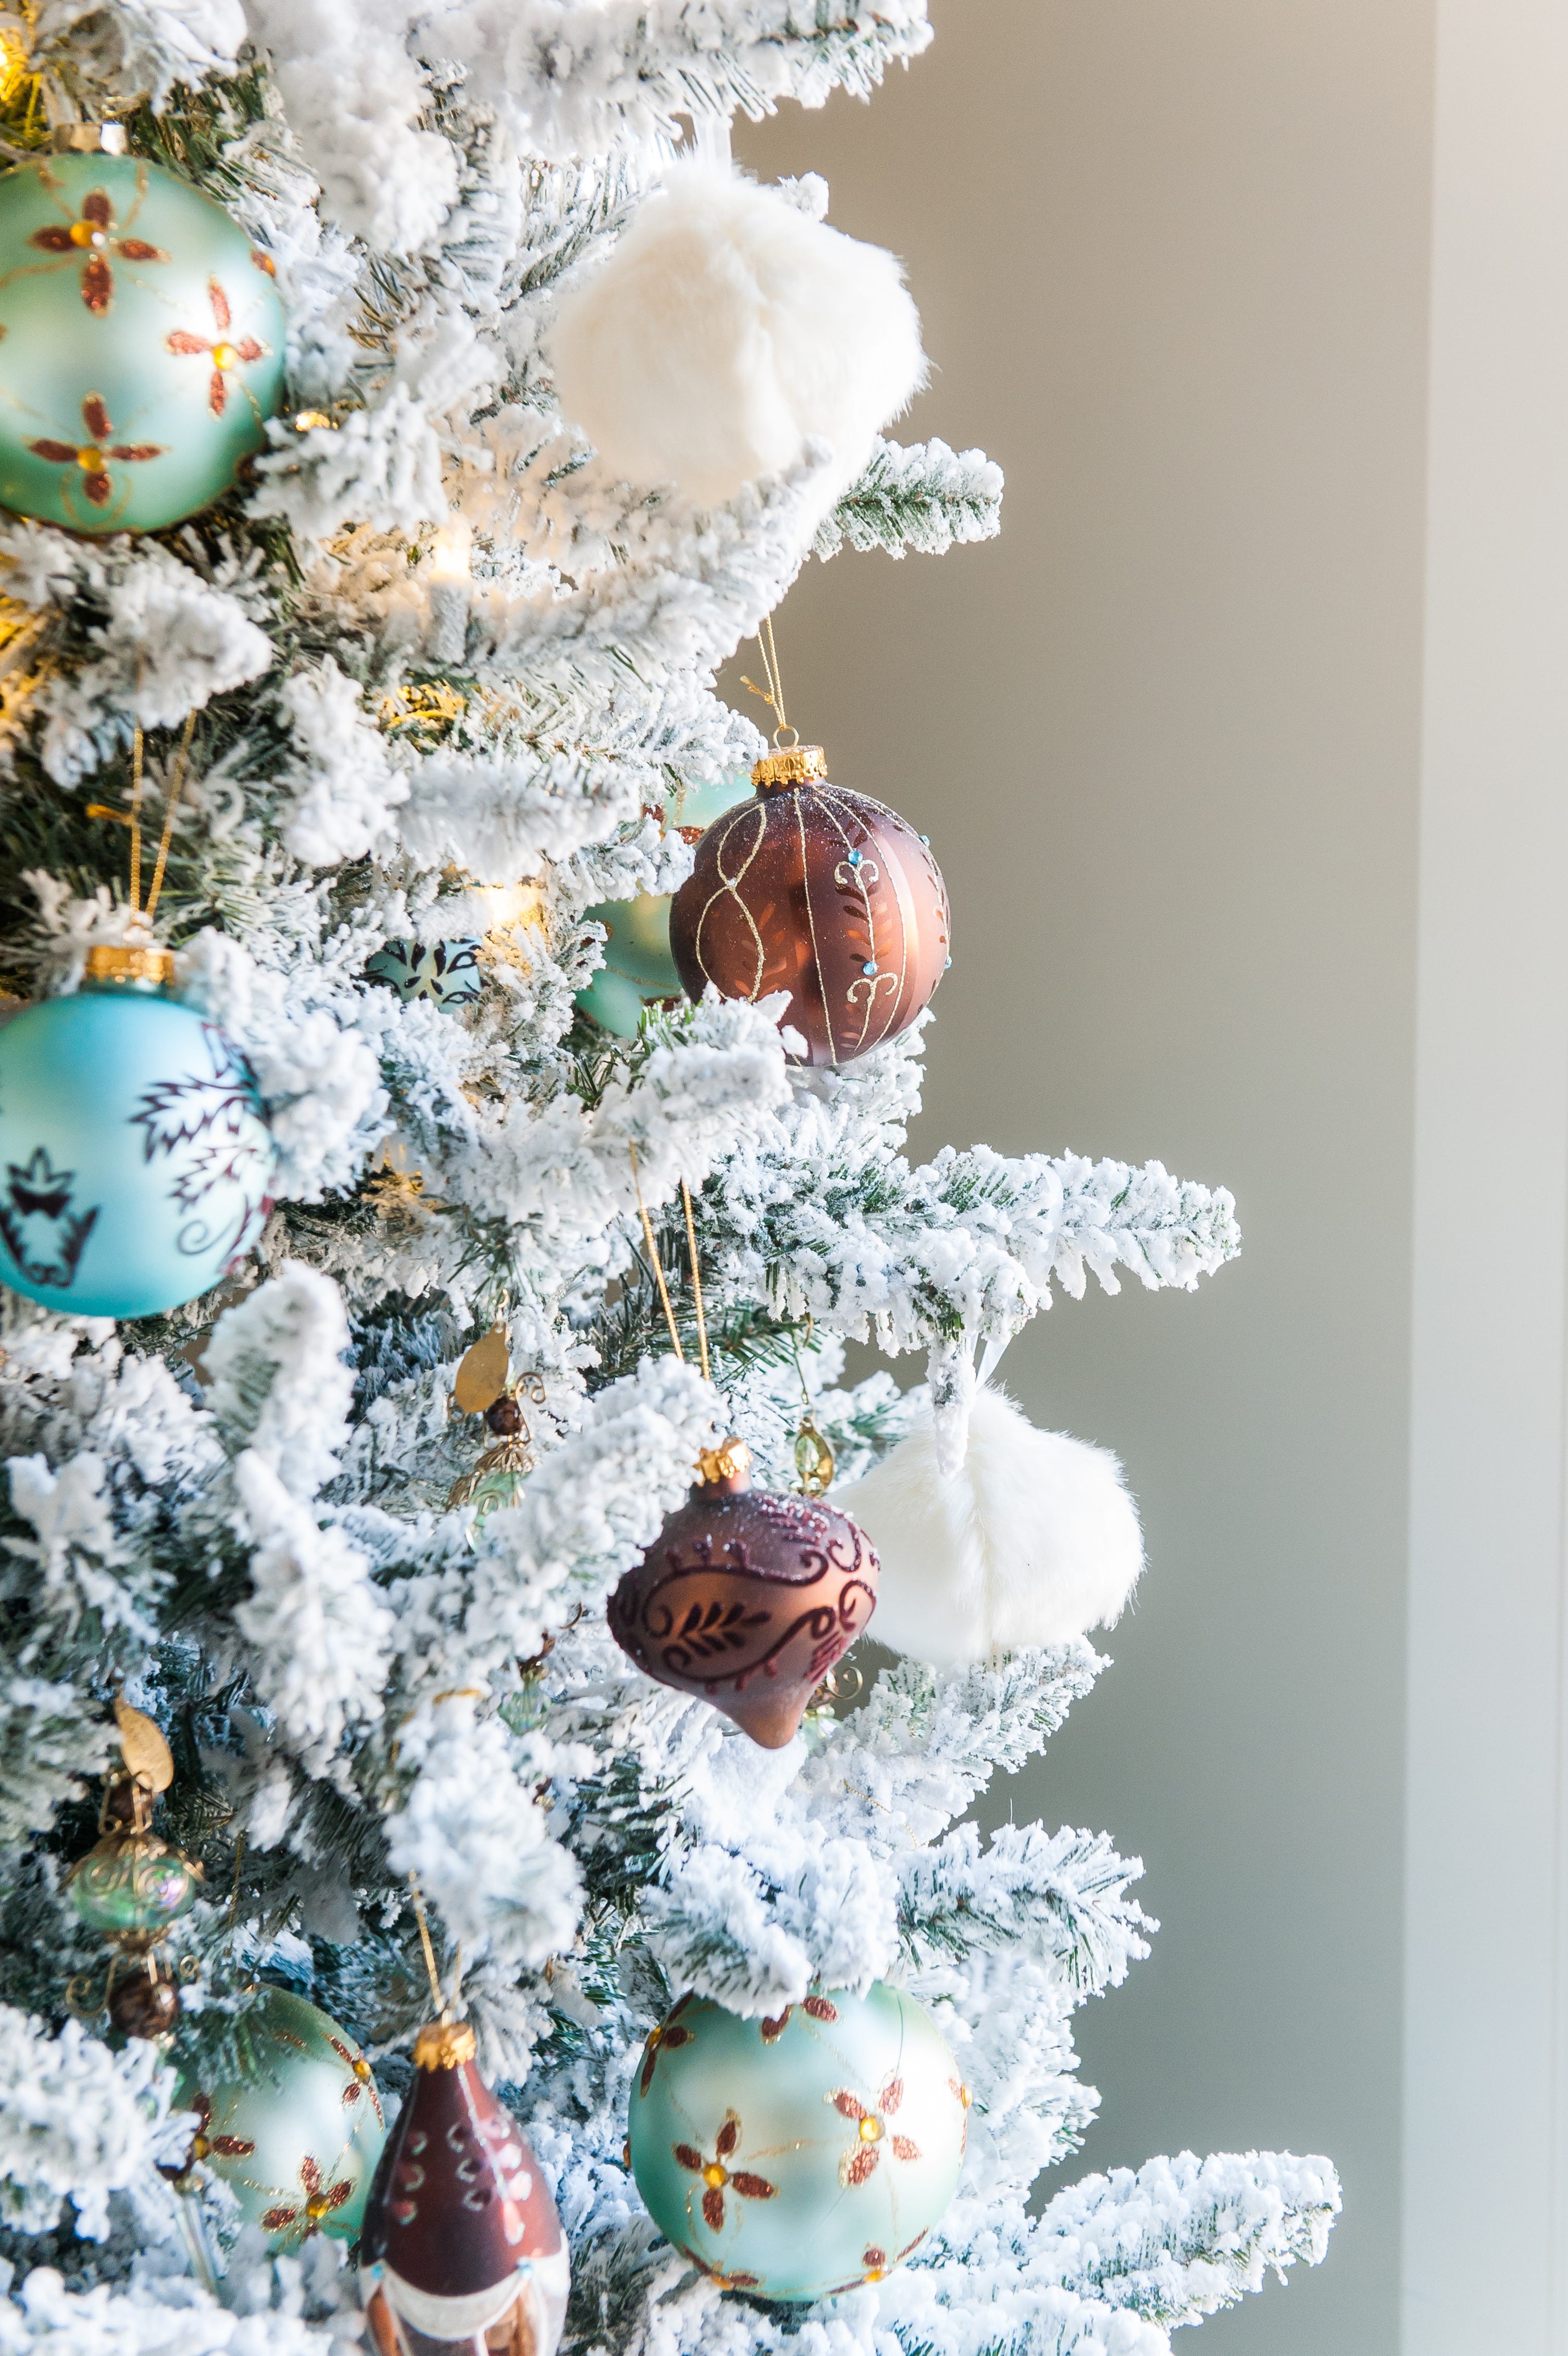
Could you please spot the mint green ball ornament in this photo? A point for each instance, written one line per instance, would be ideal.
(135, 1161)
(296, 2139)
(141, 344)
(638, 970)
(801, 2156)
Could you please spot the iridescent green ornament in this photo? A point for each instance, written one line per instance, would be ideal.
(297, 2139)
(638, 970)
(131, 1882)
(802, 2155)
(141, 344)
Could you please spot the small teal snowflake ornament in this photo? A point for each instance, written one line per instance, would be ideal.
(297, 2139)
(638, 970)
(446, 972)
(801, 2156)
(140, 344)
(135, 1161)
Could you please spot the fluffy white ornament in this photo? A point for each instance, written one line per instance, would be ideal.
(728, 328)
(1033, 1539)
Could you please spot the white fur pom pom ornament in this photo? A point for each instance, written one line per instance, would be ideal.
(1033, 1539)
(728, 328)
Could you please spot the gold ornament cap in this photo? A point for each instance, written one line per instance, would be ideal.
(726, 1467)
(444, 2045)
(795, 765)
(130, 962)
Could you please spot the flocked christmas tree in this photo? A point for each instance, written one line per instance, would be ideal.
(399, 430)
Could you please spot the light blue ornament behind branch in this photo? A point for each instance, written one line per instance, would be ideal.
(638, 970)
(141, 344)
(136, 1161)
(801, 2156)
(447, 972)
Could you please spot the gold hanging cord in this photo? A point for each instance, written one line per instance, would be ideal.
(133, 818)
(443, 2004)
(654, 1257)
(773, 694)
(177, 787)
(658, 1268)
(695, 1280)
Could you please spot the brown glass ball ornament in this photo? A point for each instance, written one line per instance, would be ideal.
(747, 1599)
(824, 893)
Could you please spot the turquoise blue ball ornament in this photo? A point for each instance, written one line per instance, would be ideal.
(297, 2137)
(801, 2156)
(446, 972)
(638, 970)
(136, 1161)
(141, 344)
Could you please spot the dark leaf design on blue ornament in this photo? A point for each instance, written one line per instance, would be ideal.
(44, 1234)
(447, 972)
(214, 1117)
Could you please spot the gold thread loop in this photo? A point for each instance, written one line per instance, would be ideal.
(773, 694)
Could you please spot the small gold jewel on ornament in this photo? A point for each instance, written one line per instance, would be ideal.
(730, 1461)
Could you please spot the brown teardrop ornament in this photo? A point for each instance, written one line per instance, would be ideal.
(822, 892)
(747, 1599)
(461, 2248)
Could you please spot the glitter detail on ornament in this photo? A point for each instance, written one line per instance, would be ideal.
(224, 356)
(94, 233)
(91, 458)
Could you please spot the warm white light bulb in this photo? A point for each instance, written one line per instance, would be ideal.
(450, 550)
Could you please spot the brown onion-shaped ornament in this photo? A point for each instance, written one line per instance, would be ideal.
(461, 2248)
(747, 1599)
(824, 893)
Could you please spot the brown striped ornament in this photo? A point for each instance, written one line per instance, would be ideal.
(824, 893)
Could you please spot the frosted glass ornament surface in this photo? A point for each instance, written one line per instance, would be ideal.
(140, 344)
(801, 2156)
(134, 1158)
(298, 2145)
(638, 970)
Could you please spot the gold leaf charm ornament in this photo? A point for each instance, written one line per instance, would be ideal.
(482, 1373)
(147, 1756)
(483, 1386)
(131, 1887)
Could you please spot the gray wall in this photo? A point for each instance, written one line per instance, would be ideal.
(1165, 734)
